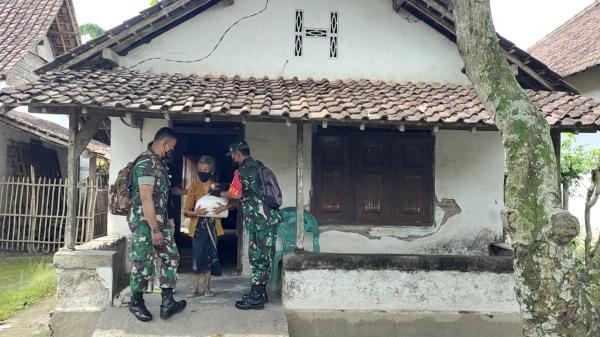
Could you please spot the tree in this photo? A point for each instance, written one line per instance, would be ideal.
(555, 297)
(91, 29)
(153, 2)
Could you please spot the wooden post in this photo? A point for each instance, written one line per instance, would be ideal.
(78, 140)
(72, 179)
(299, 186)
(32, 212)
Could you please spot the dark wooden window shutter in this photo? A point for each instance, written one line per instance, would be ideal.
(413, 158)
(369, 172)
(334, 195)
(373, 178)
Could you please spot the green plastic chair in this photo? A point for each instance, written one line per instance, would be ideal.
(287, 234)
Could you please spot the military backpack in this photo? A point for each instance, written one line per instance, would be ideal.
(120, 194)
(272, 193)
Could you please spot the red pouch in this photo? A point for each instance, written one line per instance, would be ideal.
(235, 189)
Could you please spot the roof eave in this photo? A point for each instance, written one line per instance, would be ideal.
(283, 118)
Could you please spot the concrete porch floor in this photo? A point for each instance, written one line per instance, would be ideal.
(204, 316)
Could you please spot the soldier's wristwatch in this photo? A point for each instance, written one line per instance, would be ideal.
(155, 230)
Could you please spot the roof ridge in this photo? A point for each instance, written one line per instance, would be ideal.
(564, 24)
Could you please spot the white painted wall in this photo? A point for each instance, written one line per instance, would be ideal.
(587, 82)
(126, 145)
(44, 50)
(374, 42)
(588, 85)
(469, 168)
(275, 145)
(397, 290)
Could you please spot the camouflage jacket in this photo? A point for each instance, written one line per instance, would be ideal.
(255, 214)
(150, 170)
(250, 178)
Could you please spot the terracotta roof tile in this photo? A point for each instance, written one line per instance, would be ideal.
(23, 24)
(574, 46)
(354, 100)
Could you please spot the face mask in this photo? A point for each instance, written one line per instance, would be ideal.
(236, 165)
(169, 156)
(204, 176)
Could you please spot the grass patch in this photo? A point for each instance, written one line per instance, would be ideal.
(24, 281)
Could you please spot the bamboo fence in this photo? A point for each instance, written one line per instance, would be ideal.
(33, 213)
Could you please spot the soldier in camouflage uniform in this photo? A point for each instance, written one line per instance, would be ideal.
(151, 232)
(260, 222)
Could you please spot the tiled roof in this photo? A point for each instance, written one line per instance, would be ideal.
(29, 123)
(407, 102)
(574, 46)
(23, 23)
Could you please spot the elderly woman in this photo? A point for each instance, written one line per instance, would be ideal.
(203, 230)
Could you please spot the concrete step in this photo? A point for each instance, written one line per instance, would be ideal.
(204, 316)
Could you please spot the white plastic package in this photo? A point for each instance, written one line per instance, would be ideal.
(208, 202)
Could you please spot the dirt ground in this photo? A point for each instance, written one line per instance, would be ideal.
(30, 322)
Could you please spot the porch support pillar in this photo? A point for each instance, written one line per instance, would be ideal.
(299, 186)
(78, 141)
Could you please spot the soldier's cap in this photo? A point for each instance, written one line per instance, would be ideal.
(237, 146)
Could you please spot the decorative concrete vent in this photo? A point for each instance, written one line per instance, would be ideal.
(302, 32)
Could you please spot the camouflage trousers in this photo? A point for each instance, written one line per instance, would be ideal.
(262, 234)
(142, 262)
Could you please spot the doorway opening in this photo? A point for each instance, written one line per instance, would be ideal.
(194, 140)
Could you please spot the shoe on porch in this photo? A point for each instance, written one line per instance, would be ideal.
(255, 300)
(137, 307)
(169, 306)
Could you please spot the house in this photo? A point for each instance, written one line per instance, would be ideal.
(573, 51)
(34, 170)
(33, 33)
(400, 162)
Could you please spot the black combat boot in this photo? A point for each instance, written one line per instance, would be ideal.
(138, 308)
(169, 306)
(255, 300)
(263, 289)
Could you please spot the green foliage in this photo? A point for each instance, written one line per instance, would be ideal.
(576, 160)
(153, 2)
(91, 29)
(24, 281)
